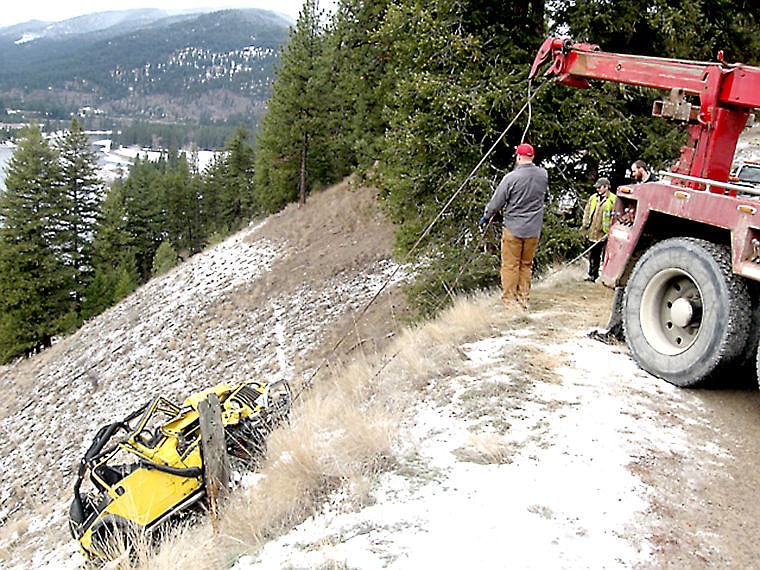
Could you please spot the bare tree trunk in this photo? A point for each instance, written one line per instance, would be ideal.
(302, 185)
(216, 467)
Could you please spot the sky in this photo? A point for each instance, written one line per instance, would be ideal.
(17, 12)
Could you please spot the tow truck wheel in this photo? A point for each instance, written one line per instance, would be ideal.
(686, 315)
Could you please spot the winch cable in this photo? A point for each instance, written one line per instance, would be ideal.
(480, 242)
(310, 380)
(530, 113)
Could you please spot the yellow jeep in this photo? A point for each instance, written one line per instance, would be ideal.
(142, 470)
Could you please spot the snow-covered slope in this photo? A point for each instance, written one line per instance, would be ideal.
(242, 309)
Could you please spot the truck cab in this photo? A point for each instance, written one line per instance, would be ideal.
(746, 174)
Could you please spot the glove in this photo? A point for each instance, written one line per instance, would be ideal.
(483, 221)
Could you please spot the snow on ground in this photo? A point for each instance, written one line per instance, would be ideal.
(562, 496)
(114, 163)
(212, 319)
(497, 467)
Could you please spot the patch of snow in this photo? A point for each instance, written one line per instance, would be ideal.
(26, 38)
(565, 497)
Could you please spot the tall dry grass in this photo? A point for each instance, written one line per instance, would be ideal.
(342, 432)
(345, 430)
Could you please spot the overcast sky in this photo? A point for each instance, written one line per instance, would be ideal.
(16, 11)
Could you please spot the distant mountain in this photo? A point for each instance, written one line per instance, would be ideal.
(143, 63)
(110, 23)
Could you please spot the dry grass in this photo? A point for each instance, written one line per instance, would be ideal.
(343, 430)
(486, 448)
(183, 546)
(12, 530)
(337, 438)
(342, 433)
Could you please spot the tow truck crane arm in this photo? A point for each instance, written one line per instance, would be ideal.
(727, 94)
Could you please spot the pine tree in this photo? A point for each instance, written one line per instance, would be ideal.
(115, 267)
(460, 75)
(213, 185)
(81, 195)
(34, 285)
(181, 204)
(238, 202)
(356, 58)
(228, 200)
(145, 216)
(289, 157)
(679, 29)
(165, 259)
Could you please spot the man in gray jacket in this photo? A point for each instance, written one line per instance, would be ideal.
(520, 195)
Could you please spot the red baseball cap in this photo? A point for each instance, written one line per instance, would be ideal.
(525, 149)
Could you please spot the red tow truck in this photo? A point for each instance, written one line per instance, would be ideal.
(684, 249)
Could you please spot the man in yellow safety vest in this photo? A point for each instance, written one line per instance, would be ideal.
(596, 223)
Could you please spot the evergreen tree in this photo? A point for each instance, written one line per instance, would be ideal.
(228, 199)
(34, 289)
(290, 158)
(238, 202)
(115, 266)
(356, 54)
(145, 215)
(679, 29)
(460, 75)
(180, 192)
(165, 259)
(214, 184)
(81, 194)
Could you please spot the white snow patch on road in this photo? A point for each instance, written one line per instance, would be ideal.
(565, 498)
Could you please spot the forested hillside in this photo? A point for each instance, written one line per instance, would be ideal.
(144, 65)
(413, 94)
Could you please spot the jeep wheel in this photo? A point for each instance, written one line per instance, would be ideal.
(114, 538)
(686, 316)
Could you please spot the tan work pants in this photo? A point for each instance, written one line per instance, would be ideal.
(516, 265)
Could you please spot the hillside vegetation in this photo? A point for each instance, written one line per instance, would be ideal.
(272, 300)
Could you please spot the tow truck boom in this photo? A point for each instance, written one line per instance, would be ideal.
(727, 93)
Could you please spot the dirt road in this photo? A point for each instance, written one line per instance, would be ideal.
(539, 447)
(703, 509)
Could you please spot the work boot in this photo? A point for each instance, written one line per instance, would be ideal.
(614, 335)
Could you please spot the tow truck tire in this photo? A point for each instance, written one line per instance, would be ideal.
(686, 316)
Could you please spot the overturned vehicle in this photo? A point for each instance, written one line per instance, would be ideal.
(158, 461)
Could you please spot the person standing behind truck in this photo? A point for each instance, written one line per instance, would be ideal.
(641, 172)
(520, 196)
(596, 224)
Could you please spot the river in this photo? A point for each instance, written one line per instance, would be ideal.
(5, 156)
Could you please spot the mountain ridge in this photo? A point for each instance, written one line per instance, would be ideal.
(143, 64)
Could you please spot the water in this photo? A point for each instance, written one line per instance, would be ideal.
(5, 156)
(111, 165)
